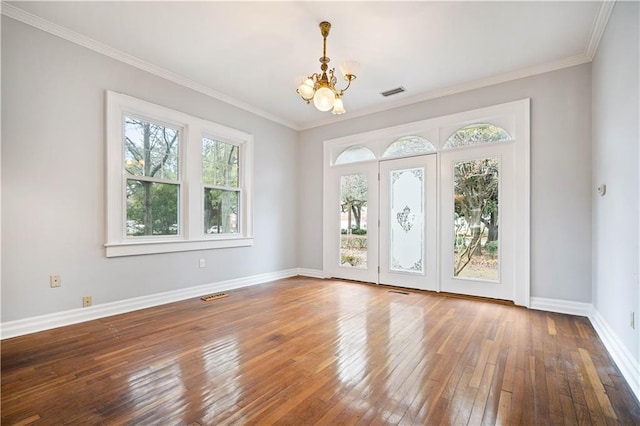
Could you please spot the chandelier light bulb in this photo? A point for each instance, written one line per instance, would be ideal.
(306, 90)
(338, 107)
(349, 68)
(324, 99)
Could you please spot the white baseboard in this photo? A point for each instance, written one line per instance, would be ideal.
(629, 367)
(59, 319)
(561, 306)
(313, 273)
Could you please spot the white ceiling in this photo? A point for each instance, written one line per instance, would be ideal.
(250, 54)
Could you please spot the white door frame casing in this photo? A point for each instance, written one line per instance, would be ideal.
(512, 116)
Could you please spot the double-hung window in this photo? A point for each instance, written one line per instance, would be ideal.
(174, 182)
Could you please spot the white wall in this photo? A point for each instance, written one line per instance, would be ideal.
(616, 136)
(560, 173)
(53, 181)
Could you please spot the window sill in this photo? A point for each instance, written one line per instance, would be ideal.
(154, 247)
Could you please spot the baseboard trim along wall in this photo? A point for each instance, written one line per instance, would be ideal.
(628, 366)
(561, 306)
(313, 273)
(59, 319)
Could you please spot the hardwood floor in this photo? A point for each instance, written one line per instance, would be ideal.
(307, 351)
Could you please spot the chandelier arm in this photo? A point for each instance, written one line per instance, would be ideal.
(341, 91)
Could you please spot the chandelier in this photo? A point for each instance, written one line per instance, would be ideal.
(321, 87)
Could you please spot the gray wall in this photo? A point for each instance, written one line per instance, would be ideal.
(616, 136)
(560, 173)
(53, 181)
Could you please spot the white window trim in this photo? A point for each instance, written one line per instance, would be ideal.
(191, 235)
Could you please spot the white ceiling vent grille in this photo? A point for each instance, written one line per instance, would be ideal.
(393, 91)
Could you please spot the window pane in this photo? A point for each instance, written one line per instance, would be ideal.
(353, 219)
(355, 154)
(152, 208)
(409, 145)
(221, 211)
(219, 163)
(477, 134)
(150, 149)
(476, 209)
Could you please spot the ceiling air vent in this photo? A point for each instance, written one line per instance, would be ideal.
(393, 91)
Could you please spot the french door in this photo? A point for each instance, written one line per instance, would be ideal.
(477, 242)
(440, 222)
(351, 228)
(407, 250)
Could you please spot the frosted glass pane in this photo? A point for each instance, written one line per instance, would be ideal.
(408, 145)
(355, 154)
(476, 185)
(353, 220)
(476, 134)
(407, 220)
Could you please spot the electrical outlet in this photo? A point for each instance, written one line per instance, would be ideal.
(202, 263)
(54, 281)
(86, 301)
(632, 320)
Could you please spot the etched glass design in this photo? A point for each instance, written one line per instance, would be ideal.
(408, 145)
(353, 220)
(355, 154)
(407, 220)
(476, 208)
(476, 134)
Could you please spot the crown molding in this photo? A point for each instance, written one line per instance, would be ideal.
(459, 88)
(81, 40)
(597, 31)
(599, 25)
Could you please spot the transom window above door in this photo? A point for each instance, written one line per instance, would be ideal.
(355, 154)
(409, 145)
(476, 134)
(426, 137)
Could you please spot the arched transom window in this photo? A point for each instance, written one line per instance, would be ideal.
(355, 154)
(476, 134)
(408, 145)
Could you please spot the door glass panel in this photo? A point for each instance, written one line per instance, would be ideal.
(407, 220)
(353, 220)
(476, 239)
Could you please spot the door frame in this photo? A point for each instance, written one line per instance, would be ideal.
(512, 116)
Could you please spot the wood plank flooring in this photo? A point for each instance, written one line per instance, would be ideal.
(306, 351)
